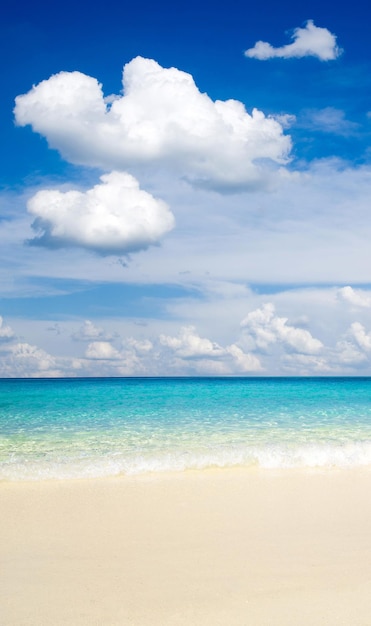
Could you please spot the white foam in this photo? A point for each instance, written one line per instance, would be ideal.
(275, 456)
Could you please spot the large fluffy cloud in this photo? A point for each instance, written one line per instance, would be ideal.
(114, 217)
(308, 41)
(161, 118)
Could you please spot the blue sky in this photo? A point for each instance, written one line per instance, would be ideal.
(210, 215)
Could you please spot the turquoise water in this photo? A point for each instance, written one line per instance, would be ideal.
(72, 428)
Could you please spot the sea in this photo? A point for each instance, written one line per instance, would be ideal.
(95, 427)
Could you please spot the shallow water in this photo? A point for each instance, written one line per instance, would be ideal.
(72, 428)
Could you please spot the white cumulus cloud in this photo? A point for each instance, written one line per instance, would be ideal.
(362, 338)
(308, 41)
(244, 362)
(114, 217)
(347, 353)
(141, 346)
(101, 350)
(89, 332)
(356, 298)
(23, 360)
(264, 327)
(161, 118)
(189, 344)
(208, 355)
(27, 361)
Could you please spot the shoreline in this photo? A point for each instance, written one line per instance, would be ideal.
(195, 548)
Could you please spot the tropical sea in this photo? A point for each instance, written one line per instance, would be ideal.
(80, 428)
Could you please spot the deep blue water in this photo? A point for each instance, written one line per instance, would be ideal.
(58, 428)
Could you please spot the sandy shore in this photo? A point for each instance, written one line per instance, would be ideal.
(209, 548)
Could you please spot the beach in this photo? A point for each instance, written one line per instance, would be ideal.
(200, 548)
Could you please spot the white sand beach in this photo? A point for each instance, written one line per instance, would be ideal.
(212, 548)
